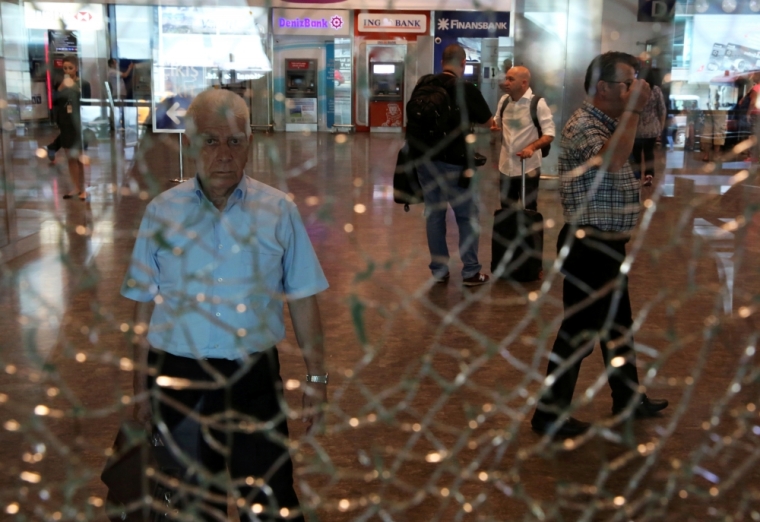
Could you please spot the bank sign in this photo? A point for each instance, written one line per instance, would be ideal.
(310, 22)
(471, 24)
(392, 23)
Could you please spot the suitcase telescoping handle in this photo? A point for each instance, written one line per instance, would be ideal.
(522, 169)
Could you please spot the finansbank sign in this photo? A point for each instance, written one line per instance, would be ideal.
(310, 22)
(471, 24)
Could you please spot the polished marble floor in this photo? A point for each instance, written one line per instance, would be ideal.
(431, 385)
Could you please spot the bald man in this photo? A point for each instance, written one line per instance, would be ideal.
(520, 138)
(218, 256)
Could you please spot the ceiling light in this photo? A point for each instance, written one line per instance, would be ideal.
(701, 6)
(729, 6)
(754, 6)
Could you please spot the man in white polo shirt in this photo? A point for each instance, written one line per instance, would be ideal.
(519, 115)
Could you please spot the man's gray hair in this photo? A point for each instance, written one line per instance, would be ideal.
(226, 103)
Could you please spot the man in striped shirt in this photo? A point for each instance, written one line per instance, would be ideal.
(600, 201)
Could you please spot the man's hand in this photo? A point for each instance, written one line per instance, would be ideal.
(637, 96)
(648, 180)
(314, 402)
(526, 153)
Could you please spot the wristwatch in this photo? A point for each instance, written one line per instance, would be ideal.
(320, 379)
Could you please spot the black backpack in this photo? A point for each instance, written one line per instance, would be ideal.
(430, 109)
(534, 116)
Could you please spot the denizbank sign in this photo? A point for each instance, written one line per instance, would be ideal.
(471, 24)
(310, 22)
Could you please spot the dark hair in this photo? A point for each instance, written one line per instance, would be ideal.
(70, 59)
(453, 55)
(604, 66)
(112, 62)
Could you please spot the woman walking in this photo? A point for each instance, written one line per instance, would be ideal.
(68, 100)
(651, 123)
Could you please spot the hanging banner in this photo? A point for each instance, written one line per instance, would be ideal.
(471, 24)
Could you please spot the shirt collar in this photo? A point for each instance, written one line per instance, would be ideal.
(527, 95)
(611, 123)
(237, 195)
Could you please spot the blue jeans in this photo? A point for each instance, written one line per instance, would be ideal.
(440, 187)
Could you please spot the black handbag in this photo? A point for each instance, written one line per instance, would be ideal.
(406, 185)
(142, 478)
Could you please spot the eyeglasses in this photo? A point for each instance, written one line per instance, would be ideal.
(627, 83)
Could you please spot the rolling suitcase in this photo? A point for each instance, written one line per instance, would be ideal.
(517, 243)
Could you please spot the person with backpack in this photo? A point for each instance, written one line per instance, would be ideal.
(527, 130)
(440, 113)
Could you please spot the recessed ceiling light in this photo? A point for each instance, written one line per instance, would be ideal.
(729, 6)
(701, 6)
(754, 6)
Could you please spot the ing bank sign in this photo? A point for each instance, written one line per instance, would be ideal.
(392, 23)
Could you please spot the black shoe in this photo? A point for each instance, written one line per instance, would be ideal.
(646, 408)
(476, 280)
(444, 279)
(570, 428)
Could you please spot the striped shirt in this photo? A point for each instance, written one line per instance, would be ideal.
(592, 196)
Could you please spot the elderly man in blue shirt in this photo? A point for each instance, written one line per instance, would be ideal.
(217, 257)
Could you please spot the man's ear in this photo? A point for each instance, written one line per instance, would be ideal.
(601, 87)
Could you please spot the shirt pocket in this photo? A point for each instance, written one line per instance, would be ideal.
(259, 269)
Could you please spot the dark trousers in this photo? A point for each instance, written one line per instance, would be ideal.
(510, 189)
(55, 145)
(242, 431)
(596, 305)
(645, 147)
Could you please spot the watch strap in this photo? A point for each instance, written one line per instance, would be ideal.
(320, 379)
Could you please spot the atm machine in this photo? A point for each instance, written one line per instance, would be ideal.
(472, 73)
(386, 102)
(61, 45)
(301, 95)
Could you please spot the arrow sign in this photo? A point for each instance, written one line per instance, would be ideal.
(176, 112)
(169, 114)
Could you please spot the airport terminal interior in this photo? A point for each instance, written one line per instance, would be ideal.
(432, 385)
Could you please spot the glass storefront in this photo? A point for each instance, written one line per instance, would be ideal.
(433, 384)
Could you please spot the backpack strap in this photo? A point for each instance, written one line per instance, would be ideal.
(534, 115)
(503, 108)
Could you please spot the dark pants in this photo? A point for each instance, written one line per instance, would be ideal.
(596, 305)
(243, 431)
(645, 147)
(55, 146)
(510, 189)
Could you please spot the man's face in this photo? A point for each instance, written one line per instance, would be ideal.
(221, 147)
(617, 88)
(513, 82)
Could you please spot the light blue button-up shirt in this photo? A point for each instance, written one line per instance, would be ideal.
(219, 279)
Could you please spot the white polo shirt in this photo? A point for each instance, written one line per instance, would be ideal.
(518, 131)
